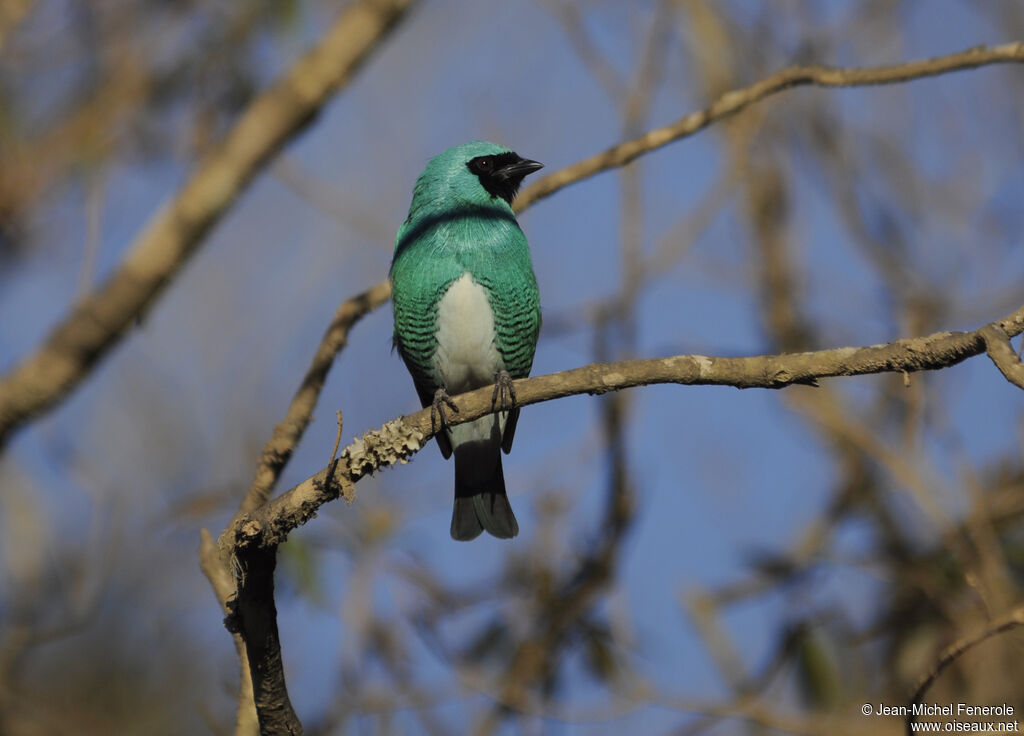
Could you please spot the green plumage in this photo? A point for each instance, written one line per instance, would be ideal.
(493, 250)
(461, 242)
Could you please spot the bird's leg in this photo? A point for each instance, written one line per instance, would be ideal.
(441, 398)
(503, 390)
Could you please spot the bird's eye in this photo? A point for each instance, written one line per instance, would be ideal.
(483, 166)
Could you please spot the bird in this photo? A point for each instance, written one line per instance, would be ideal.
(467, 315)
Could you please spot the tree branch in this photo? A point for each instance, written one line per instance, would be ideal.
(254, 613)
(401, 438)
(100, 320)
(733, 102)
(273, 458)
(224, 587)
(999, 349)
(279, 448)
(249, 542)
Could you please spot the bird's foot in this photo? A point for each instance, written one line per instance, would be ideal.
(437, 409)
(503, 391)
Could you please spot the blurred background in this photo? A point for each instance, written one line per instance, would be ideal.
(692, 559)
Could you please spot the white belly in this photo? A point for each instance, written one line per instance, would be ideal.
(466, 357)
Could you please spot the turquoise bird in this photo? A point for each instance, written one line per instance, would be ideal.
(467, 315)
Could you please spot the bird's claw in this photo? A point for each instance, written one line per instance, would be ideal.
(503, 390)
(437, 410)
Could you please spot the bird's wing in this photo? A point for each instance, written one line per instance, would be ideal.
(419, 279)
(516, 307)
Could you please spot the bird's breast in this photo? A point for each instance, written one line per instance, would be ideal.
(466, 356)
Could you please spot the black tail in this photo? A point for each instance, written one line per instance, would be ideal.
(480, 499)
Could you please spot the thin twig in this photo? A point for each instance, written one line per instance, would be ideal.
(949, 655)
(332, 464)
(732, 102)
(337, 441)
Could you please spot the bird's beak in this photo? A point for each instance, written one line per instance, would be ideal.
(516, 171)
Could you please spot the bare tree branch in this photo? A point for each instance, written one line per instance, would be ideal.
(401, 438)
(732, 102)
(100, 320)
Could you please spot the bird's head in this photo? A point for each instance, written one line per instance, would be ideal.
(478, 173)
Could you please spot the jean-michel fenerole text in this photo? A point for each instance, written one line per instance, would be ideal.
(950, 709)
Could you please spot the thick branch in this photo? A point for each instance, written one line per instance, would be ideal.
(100, 320)
(224, 587)
(401, 438)
(254, 617)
